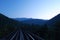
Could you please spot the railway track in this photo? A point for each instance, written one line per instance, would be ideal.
(22, 35)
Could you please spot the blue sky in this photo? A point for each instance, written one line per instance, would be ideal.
(40, 9)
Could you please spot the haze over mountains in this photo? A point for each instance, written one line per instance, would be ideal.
(32, 21)
(8, 25)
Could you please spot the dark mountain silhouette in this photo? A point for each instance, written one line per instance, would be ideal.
(54, 28)
(32, 21)
(5, 21)
(7, 25)
(55, 21)
(2, 16)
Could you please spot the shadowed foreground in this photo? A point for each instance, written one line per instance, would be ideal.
(22, 35)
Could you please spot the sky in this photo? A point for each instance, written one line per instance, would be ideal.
(39, 9)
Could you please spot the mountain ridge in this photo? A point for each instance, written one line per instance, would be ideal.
(32, 21)
(54, 20)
